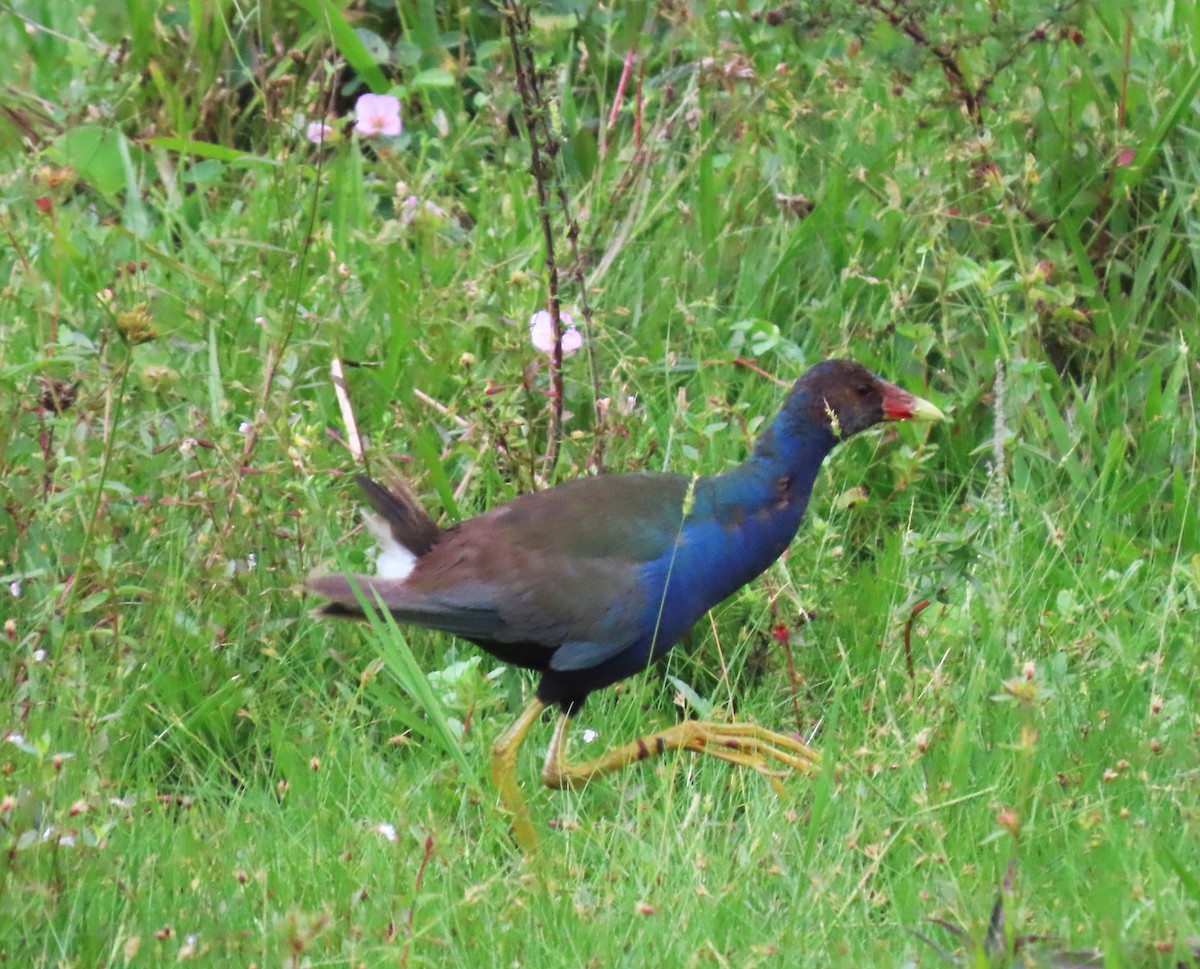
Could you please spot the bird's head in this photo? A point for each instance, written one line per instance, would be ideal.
(847, 398)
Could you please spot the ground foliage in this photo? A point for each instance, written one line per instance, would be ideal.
(989, 627)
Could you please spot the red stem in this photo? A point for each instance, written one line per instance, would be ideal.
(620, 95)
(412, 909)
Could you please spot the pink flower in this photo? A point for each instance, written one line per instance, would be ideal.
(412, 207)
(378, 114)
(317, 132)
(624, 406)
(541, 333)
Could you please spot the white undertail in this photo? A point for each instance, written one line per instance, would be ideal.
(394, 560)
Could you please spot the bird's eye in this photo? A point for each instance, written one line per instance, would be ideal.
(863, 390)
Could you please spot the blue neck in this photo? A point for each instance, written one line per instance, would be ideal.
(740, 522)
(795, 442)
(784, 463)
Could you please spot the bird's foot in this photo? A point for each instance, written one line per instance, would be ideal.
(772, 754)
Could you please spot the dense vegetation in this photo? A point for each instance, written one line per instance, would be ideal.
(989, 627)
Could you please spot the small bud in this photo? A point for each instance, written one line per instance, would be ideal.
(1008, 820)
(159, 378)
(136, 325)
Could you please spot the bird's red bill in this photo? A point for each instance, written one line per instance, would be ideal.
(900, 405)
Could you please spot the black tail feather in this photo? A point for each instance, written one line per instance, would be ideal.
(409, 522)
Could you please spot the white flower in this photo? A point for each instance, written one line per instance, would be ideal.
(387, 831)
(14, 589)
(541, 333)
(377, 114)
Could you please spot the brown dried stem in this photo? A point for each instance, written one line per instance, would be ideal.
(543, 146)
(972, 97)
(919, 608)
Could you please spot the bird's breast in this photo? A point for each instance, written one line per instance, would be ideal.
(711, 560)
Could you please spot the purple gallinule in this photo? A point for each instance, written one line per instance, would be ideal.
(590, 581)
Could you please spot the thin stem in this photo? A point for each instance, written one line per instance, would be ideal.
(542, 143)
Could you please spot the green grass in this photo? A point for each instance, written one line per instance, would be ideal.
(193, 767)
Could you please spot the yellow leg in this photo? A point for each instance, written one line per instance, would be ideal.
(504, 766)
(749, 745)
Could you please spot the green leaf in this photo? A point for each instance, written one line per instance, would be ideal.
(694, 700)
(97, 154)
(374, 45)
(393, 649)
(434, 77)
(347, 41)
(206, 149)
(428, 446)
(580, 153)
